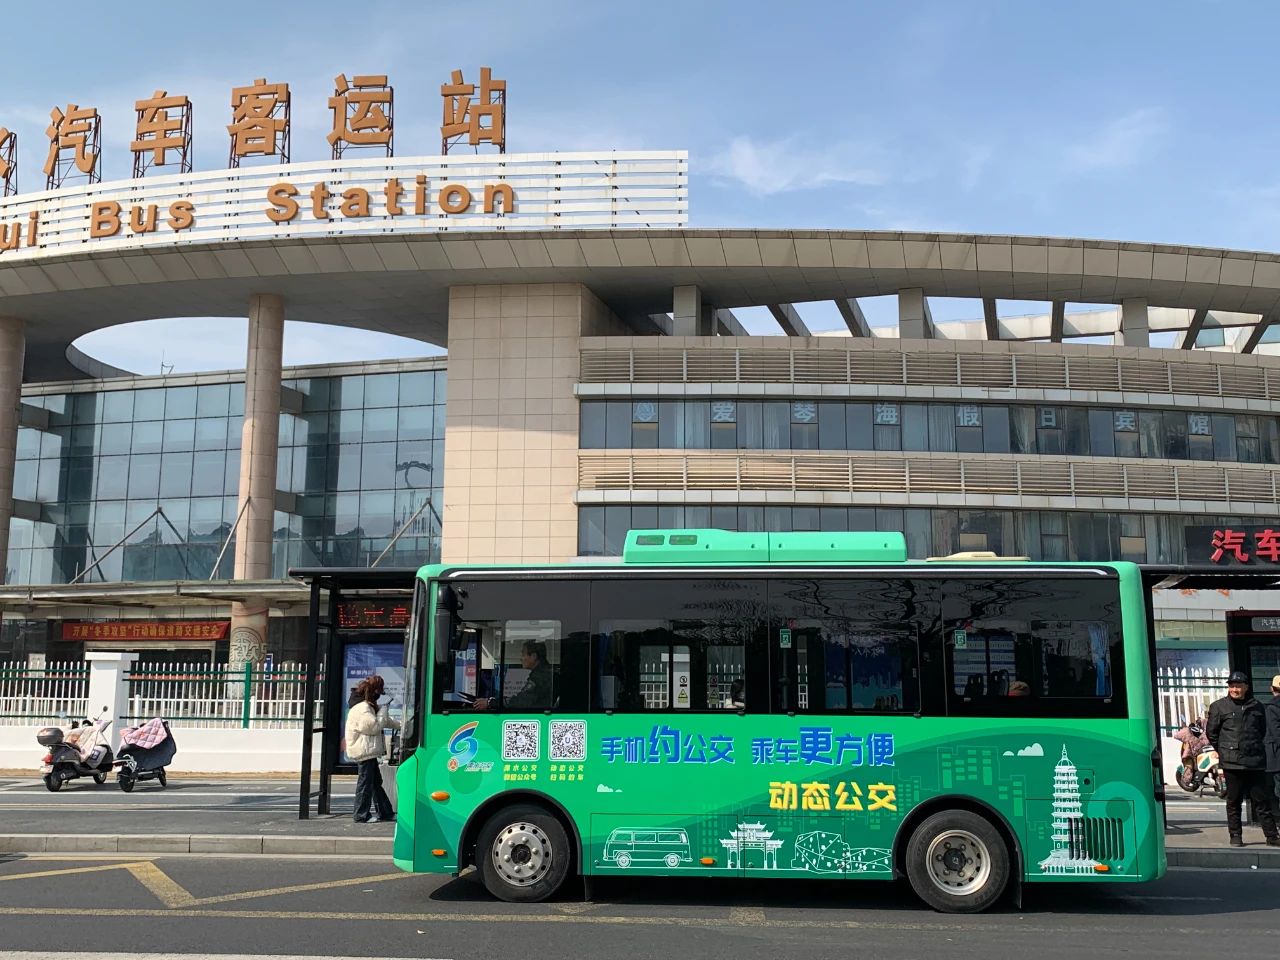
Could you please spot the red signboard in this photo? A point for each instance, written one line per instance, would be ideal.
(1233, 545)
(146, 630)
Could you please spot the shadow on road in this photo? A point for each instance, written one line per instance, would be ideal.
(1202, 894)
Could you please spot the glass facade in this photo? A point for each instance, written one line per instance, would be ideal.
(729, 424)
(930, 532)
(159, 466)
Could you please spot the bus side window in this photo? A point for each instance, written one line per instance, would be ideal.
(1033, 647)
(523, 647)
(676, 644)
(848, 644)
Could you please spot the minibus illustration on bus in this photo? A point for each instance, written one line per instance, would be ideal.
(790, 705)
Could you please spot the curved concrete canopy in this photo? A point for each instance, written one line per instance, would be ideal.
(399, 284)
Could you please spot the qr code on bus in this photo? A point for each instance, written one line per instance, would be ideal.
(568, 739)
(520, 739)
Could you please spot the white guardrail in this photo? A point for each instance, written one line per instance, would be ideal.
(602, 190)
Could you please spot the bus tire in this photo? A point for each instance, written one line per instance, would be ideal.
(524, 854)
(957, 862)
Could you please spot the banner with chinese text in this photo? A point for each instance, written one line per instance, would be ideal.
(147, 630)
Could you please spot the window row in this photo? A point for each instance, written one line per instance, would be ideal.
(155, 560)
(728, 424)
(313, 469)
(1017, 646)
(419, 388)
(930, 532)
(222, 433)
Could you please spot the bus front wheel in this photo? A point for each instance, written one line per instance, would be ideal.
(957, 862)
(524, 854)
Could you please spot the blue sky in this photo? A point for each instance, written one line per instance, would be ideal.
(1128, 121)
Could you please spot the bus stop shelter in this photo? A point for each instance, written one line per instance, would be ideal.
(356, 623)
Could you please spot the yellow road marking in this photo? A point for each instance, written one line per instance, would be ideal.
(524, 918)
(746, 915)
(67, 871)
(167, 890)
(173, 895)
(300, 888)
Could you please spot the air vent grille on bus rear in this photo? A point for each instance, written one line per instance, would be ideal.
(1100, 838)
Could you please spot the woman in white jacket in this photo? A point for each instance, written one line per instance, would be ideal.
(365, 744)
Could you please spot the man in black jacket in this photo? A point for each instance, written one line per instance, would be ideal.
(1237, 729)
(1273, 744)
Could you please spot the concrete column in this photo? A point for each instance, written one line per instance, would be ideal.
(258, 455)
(511, 434)
(108, 688)
(690, 317)
(13, 348)
(1134, 328)
(915, 321)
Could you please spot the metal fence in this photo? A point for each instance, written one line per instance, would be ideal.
(199, 695)
(1185, 694)
(274, 697)
(31, 694)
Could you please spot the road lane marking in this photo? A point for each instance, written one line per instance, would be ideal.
(173, 895)
(67, 871)
(300, 888)
(1010, 924)
(750, 916)
(43, 955)
(167, 890)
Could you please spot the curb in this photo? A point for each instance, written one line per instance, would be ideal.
(269, 844)
(1229, 858)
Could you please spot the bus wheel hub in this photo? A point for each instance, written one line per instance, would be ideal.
(521, 854)
(958, 862)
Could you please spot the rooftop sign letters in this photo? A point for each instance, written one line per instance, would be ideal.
(260, 126)
(362, 187)
(1234, 545)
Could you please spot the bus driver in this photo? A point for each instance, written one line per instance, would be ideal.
(539, 687)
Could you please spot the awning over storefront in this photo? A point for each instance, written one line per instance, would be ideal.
(162, 593)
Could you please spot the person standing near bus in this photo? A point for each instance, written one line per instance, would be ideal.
(366, 744)
(1237, 730)
(1273, 745)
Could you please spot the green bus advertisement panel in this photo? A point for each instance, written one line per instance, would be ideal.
(794, 705)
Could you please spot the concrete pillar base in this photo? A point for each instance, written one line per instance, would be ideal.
(259, 452)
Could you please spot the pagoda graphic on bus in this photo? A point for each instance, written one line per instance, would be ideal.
(1070, 854)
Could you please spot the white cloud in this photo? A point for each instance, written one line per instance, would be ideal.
(601, 788)
(766, 167)
(1121, 142)
(1035, 750)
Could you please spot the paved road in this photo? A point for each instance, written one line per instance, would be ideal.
(348, 908)
(186, 806)
(270, 807)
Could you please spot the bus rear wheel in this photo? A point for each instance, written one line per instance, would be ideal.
(524, 854)
(957, 862)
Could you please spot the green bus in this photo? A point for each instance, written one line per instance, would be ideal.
(800, 705)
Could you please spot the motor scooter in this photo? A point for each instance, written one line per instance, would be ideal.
(83, 751)
(1200, 765)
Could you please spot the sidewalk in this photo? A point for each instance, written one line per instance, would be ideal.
(241, 816)
(260, 816)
